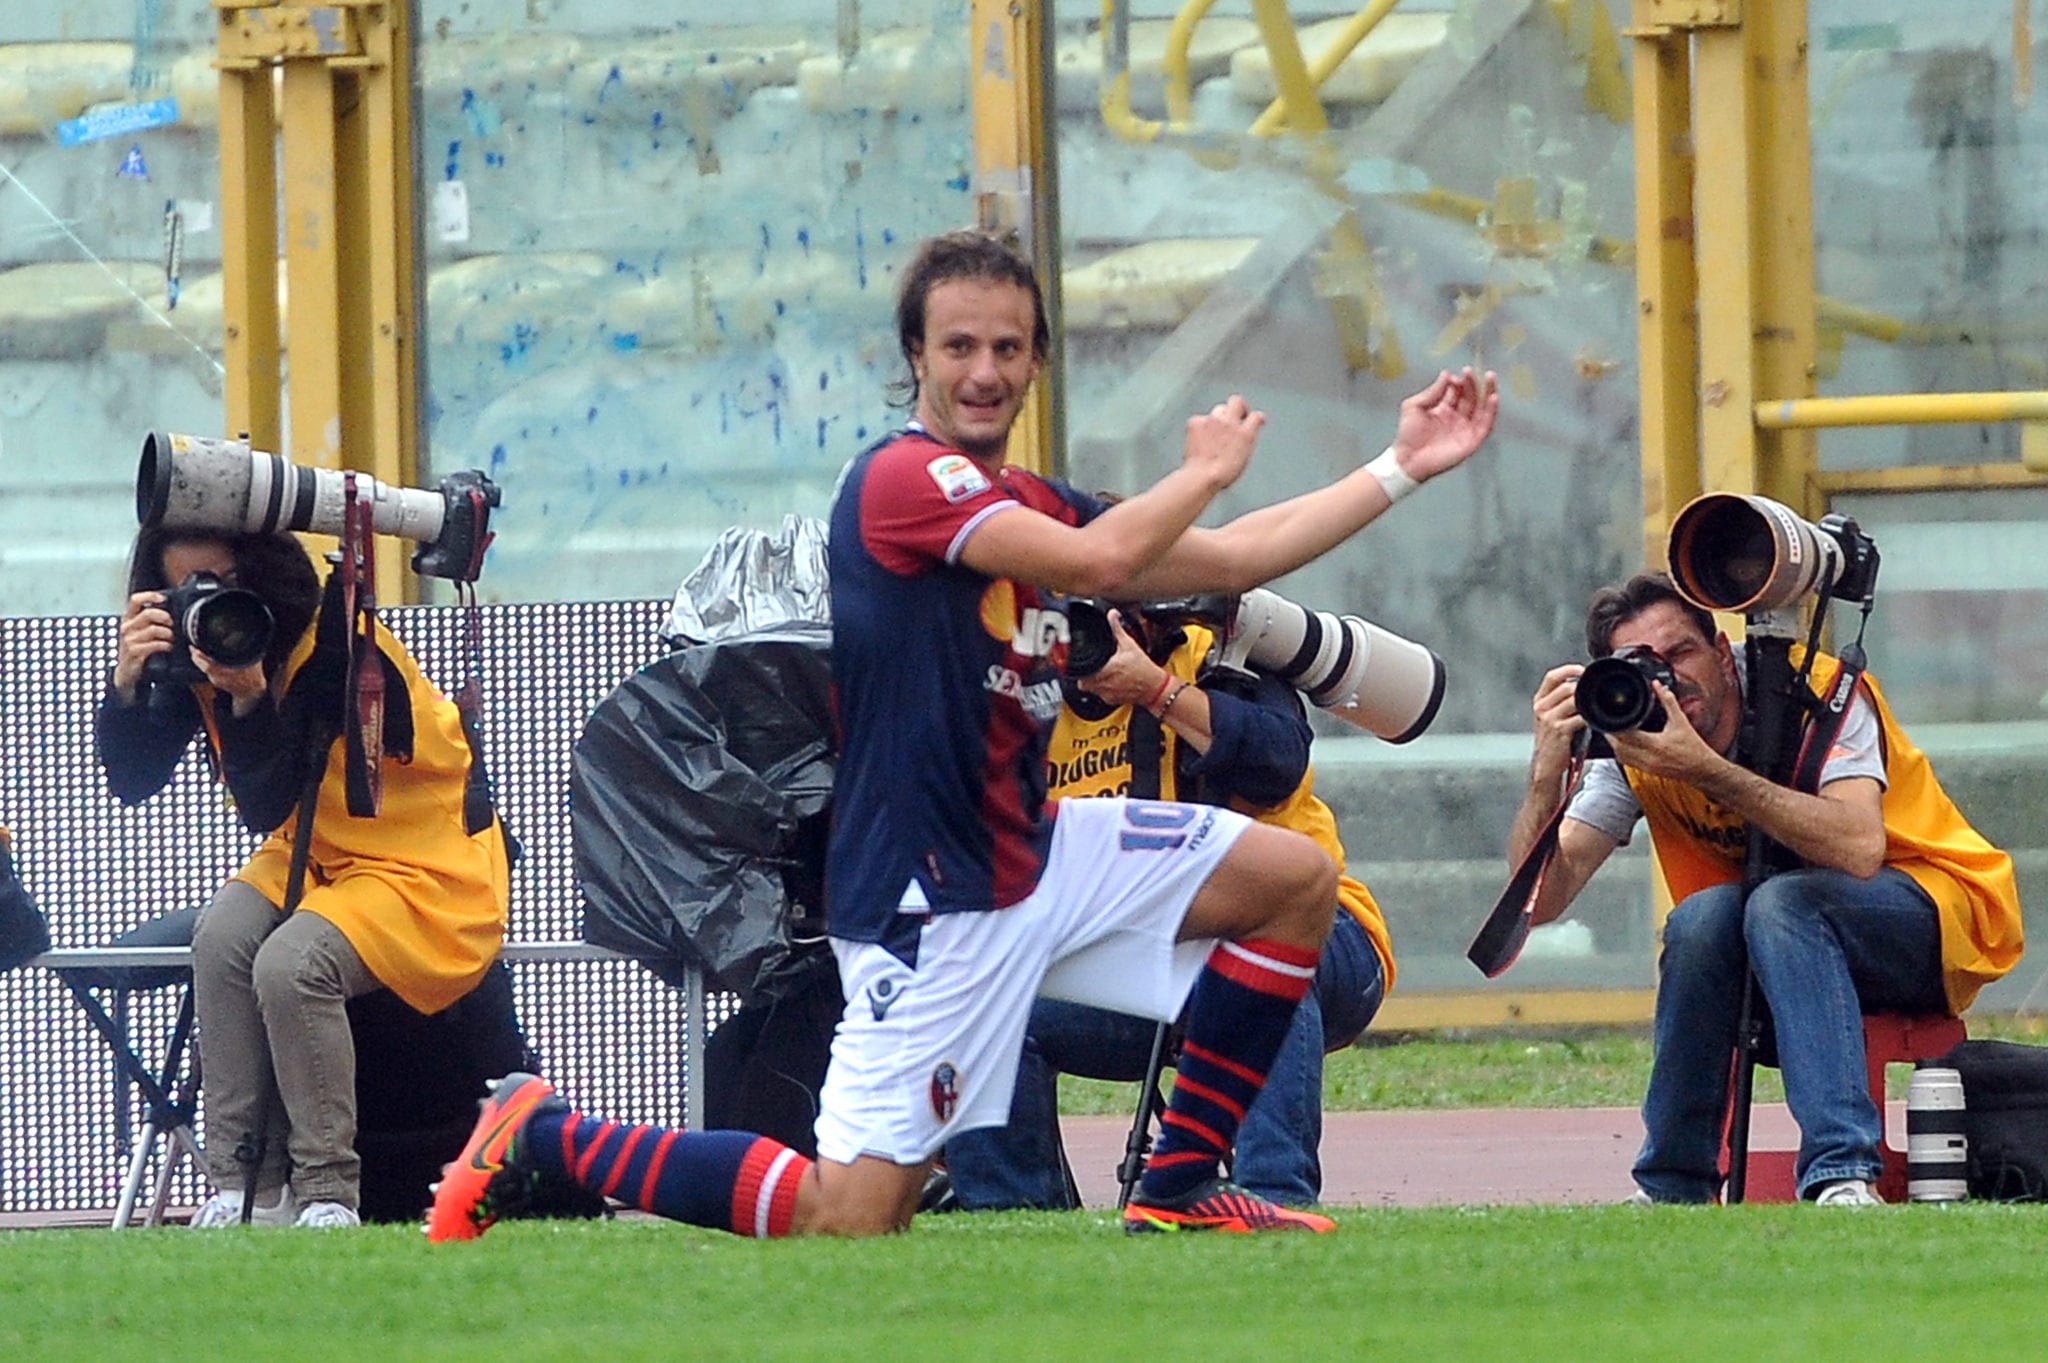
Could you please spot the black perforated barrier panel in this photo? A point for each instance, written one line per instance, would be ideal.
(610, 1035)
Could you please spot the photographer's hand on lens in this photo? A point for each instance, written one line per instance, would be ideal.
(1129, 677)
(145, 631)
(1675, 751)
(1442, 425)
(245, 685)
(1558, 725)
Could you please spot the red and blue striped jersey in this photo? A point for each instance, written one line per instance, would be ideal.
(945, 681)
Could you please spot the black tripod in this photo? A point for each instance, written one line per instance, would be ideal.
(1785, 737)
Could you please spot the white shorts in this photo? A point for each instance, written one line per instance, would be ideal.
(923, 1054)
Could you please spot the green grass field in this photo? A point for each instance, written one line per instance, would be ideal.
(1523, 1283)
(1512, 1283)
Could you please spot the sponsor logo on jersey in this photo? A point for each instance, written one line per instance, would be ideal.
(882, 996)
(945, 1091)
(1041, 700)
(958, 477)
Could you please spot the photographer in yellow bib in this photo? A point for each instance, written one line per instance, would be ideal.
(1151, 720)
(230, 635)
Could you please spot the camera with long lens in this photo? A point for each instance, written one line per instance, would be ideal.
(1614, 695)
(196, 483)
(1731, 552)
(1349, 667)
(230, 625)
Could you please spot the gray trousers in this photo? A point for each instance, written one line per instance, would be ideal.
(270, 997)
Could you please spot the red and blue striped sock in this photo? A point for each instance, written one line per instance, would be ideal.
(727, 1180)
(1238, 1015)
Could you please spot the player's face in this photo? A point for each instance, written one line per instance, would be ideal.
(1705, 669)
(975, 364)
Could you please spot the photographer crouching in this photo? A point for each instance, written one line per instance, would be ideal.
(1145, 718)
(230, 633)
(1894, 903)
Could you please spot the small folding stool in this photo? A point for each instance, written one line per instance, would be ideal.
(170, 1091)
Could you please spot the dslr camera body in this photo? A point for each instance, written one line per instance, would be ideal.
(1091, 642)
(230, 625)
(1614, 695)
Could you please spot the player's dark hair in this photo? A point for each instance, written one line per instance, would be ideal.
(959, 255)
(1613, 607)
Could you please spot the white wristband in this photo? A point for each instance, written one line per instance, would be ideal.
(1393, 479)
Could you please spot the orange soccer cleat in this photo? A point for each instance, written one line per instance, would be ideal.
(488, 1178)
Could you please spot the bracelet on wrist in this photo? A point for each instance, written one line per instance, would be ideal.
(1165, 681)
(1393, 479)
(1171, 697)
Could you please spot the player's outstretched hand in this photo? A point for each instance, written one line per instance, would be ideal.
(1444, 423)
(1220, 440)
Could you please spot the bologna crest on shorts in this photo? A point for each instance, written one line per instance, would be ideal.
(945, 1091)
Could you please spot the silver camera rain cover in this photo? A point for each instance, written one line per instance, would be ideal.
(753, 580)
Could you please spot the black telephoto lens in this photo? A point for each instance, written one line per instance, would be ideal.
(230, 626)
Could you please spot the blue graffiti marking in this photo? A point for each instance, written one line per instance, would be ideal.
(117, 121)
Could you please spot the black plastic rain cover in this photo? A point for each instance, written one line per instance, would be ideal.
(698, 796)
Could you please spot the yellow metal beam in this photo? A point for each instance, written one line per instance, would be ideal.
(1726, 253)
(1785, 331)
(1929, 478)
(1303, 110)
(343, 73)
(1013, 150)
(1667, 288)
(248, 243)
(312, 239)
(381, 389)
(1327, 61)
(1901, 409)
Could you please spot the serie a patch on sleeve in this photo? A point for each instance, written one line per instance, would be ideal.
(958, 477)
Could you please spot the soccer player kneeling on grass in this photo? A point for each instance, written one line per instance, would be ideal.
(954, 897)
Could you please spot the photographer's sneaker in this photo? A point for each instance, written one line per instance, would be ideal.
(1217, 1205)
(328, 1216)
(488, 1178)
(224, 1209)
(1849, 1192)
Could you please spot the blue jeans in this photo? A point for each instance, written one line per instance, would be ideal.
(1018, 1165)
(1826, 947)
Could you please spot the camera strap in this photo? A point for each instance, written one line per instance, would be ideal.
(1825, 718)
(1501, 937)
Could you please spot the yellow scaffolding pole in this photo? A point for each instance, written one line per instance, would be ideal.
(1013, 155)
(1667, 288)
(1901, 409)
(342, 108)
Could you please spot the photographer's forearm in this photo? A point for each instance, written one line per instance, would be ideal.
(1843, 831)
(139, 746)
(1539, 803)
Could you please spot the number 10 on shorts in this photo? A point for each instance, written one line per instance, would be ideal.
(1155, 826)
